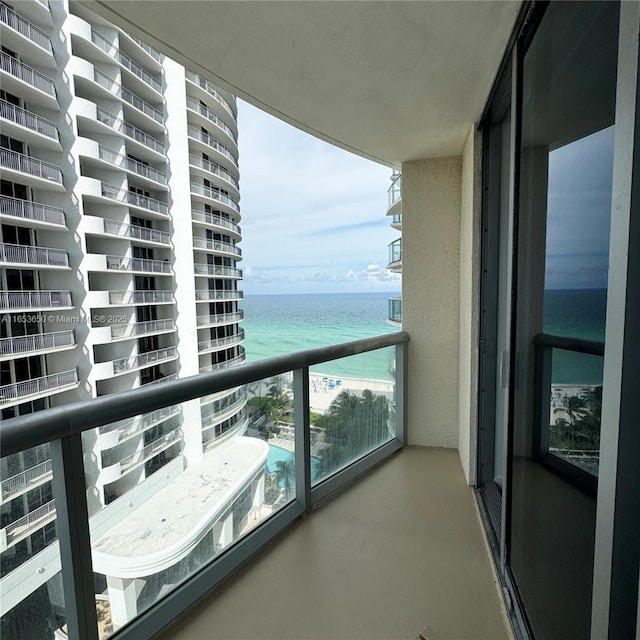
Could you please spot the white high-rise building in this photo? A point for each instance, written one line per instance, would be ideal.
(118, 268)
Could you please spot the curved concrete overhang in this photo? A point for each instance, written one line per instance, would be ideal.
(392, 81)
(164, 529)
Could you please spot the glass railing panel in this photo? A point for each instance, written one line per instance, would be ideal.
(352, 410)
(29, 554)
(575, 401)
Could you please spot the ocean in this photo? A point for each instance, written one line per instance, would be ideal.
(279, 324)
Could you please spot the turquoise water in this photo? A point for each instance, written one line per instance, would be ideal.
(279, 324)
(278, 453)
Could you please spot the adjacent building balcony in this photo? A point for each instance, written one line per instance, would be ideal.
(232, 362)
(137, 329)
(135, 232)
(21, 255)
(206, 86)
(134, 199)
(147, 49)
(395, 311)
(213, 168)
(215, 220)
(27, 126)
(215, 344)
(137, 265)
(215, 194)
(209, 270)
(214, 320)
(218, 246)
(130, 165)
(133, 363)
(130, 298)
(207, 295)
(395, 255)
(196, 134)
(35, 300)
(24, 481)
(32, 213)
(26, 170)
(19, 392)
(19, 33)
(395, 195)
(130, 131)
(115, 433)
(25, 526)
(197, 107)
(21, 79)
(20, 346)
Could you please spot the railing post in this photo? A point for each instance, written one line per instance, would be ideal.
(302, 437)
(542, 399)
(401, 393)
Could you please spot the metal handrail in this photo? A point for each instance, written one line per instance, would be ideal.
(31, 211)
(395, 251)
(34, 299)
(214, 343)
(23, 344)
(21, 482)
(143, 359)
(220, 318)
(25, 28)
(210, 141)
(124, 162)
(214, 220)
(140, 297)
(129, 130)
(213, 294)
(134, 231)
(37, 428)
(32, 166)
(118, 263)
(214, 194)
(26, 388)
(130, 197)
(145, 47)
(395, 190)
(28, 119)
(27, 74)
(212, 167)
(225, 364)
(210, 89)
(591, 347)
(36, 519)
(216, 270)
(203, 110)
(141, 328)
(216, 245)
(23, 254)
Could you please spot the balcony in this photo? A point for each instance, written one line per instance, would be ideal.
(124, 365)
(28, 126)
(19, 392)
(35, 300)
(395, 311)
(20, 30)
(219, 319)
(145, 47)
(211, 167)
(227, 364)
(143, 234)
(138, 265)
(215, 194)
(134, 199)
(133, 166)
(205, 112)
(207, 346)
(215, 245)
(214, 270)
(22, 79)
(211, 90)
(20, 483)
(32, 212)
(212, 143)
(395, 195)
(132, 132)
(395, 255)
(206, 295)
(127, 429)
(20, 346)
(25, 526)
(21, 255)
(25, 169)
(126, 298)
(136, 329)
(215, 220)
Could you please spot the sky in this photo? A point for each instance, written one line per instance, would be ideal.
(313, 216)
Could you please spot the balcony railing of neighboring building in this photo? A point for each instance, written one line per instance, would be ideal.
(22, 254)
(216, 270)
(35, 211)
(396, 219)
(214, 406)
(136, 69)
(214, 220)
(27, 74)
(216, 245)
(212, 167)
(130, 131)
(25, 28)
(203, 110)
(213, 294)
(34, 300)
(63, 430)
(25, 164)
(226, 364)
(40, 342)
(141, 169)
(116, 263)
(145, 47)
(132, 426)
(26, 480)
(218, 343)
(395, 190)
(134, 329)
(25, 526)
(163, 378)
(223, 426)
(130, 197)
(210, 89)
(395, 251)
(140, 297)
(134, 231)
(210, 141)
(127, 95)
(214, 194)
(144, 359)
(27, 119)
(219, 318)
(395, 310)
(38, 386)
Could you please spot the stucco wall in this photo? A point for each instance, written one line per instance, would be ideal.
(470, 230)
(431, 203)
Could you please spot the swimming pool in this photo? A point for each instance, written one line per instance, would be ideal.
(278, 453)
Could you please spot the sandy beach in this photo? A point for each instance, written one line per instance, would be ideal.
(322, 393)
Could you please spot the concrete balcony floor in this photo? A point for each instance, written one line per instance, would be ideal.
(398, 554)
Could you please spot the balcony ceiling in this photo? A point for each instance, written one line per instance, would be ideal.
(391, 81)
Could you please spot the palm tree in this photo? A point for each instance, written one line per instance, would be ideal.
(285, 472)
